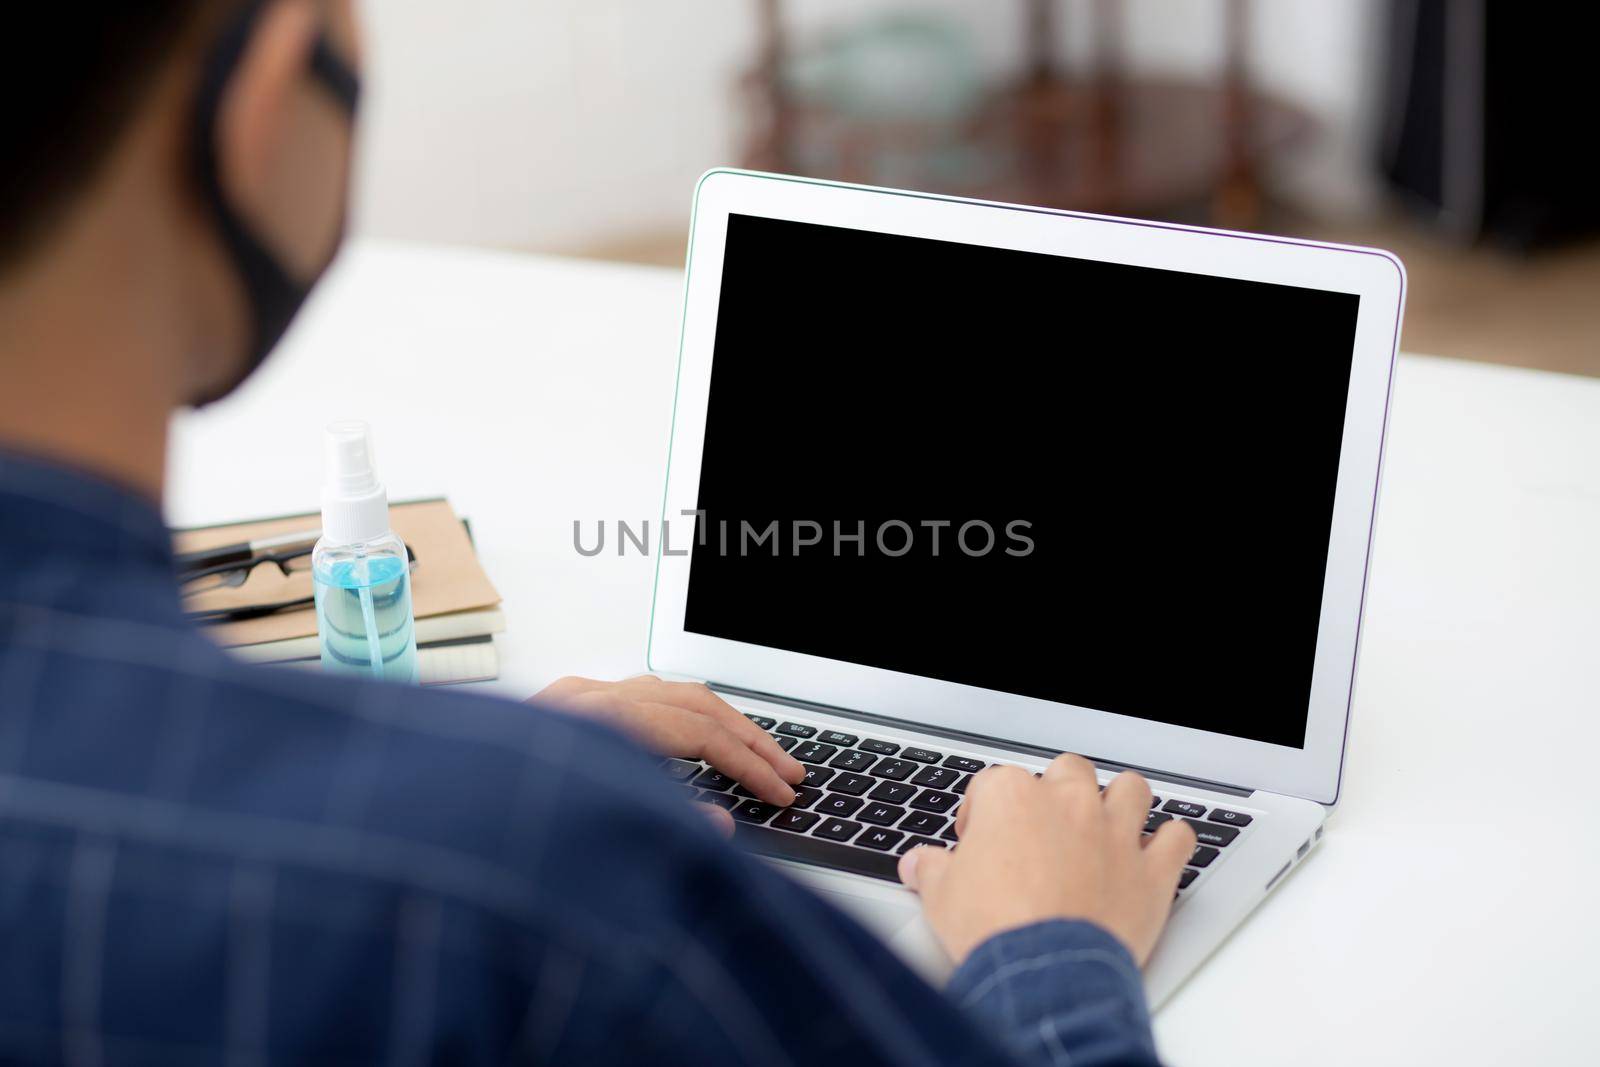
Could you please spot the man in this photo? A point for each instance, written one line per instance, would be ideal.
(201, 861)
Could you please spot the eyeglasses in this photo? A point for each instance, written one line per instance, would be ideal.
(289, 562)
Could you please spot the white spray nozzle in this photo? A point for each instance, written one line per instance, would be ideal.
(349, 449)
(355, 506)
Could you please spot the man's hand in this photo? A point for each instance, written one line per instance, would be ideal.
(1051, 848)
(685, 720)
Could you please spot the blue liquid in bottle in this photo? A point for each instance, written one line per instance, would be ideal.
(364, 616)
(360, 570)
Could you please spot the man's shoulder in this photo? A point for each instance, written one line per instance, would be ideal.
(537, 816)
(457, 769)
(311, 768)
(158, 739)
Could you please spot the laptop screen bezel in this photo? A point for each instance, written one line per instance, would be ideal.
(1312, 772)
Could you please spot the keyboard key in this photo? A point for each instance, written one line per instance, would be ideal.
(923, 822)
(808, 848)
(881, 748)
(880, 814)
(813, 752)
(880, 839)
(796, 821)
(929, 800)
(853, 761)
(839, 804)
(805, 796)
(762, 721)
(962, 763)
(1211, 834)
(948, 833)
(1232, 818)
(960, 788)
(785, 743)
(680, 770)
(894, 792)
(715, 781)
(936, 777)
(741, 791)
(1154, 820)
(1203, 855)
(816, 776)
(1187, 878)
(914, 842)
(837, 830)
(922, 755)
(794, 729)
(895, 769)
(1183, 807)
(755, 811)
(854, 784)
(834, 737)
(721, 800)
(1154, 800)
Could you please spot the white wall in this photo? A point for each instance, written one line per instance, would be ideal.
(565, 124)
(543, 123)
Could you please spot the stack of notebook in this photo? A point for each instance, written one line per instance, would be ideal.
(456, 607)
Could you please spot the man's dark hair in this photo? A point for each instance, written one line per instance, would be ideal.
(75, 74)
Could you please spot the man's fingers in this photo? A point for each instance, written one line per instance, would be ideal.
(1170, 847)
(730, 755)
(999, 781)
(721, 818)
(1128, 801)
(1068, 769)
(700, 699)
(923, 867)
(754, 737)
(789, 769)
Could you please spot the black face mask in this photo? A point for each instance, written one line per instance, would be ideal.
(274, 296)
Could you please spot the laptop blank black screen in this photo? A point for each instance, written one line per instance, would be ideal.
(1169, 440)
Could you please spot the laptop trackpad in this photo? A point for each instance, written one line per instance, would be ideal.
(883, 917)
(900, 926)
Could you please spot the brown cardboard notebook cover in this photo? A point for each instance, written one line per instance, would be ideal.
(447, 577)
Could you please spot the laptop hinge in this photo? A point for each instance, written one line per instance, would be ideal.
(1021, 747)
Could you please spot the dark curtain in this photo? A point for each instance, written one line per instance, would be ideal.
(1490, 124)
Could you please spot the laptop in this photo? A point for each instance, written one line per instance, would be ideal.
(956, 483)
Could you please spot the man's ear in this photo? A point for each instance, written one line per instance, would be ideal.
(258, 104)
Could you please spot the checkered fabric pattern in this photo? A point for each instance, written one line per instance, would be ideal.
(202, 862)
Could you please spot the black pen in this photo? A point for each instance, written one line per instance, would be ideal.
(243, 551)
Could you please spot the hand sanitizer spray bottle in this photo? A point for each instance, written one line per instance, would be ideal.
(359, 568)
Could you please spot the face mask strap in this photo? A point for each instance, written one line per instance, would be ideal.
(273, 295)
(335, 75)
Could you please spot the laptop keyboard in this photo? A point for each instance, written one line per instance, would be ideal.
(865, 800)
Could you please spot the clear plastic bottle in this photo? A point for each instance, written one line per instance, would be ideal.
(360, 571)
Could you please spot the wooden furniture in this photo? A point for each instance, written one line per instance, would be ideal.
(1100, 140)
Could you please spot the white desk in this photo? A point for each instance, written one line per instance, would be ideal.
(1447, 918)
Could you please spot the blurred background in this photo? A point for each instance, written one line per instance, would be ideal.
(1450, 131)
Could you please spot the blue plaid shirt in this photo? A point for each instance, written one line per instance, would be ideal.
(204, 862)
